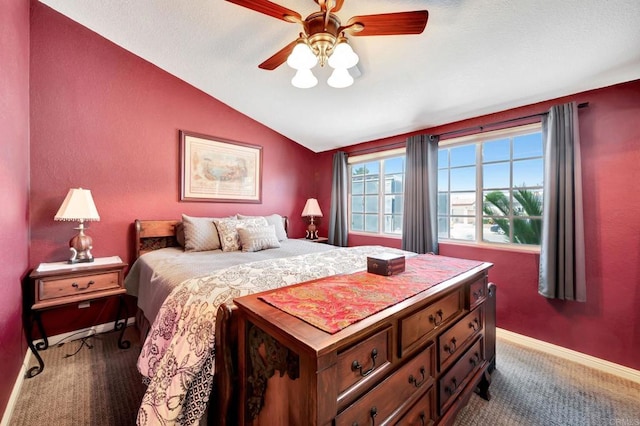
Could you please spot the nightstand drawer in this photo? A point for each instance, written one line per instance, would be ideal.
(63, 287)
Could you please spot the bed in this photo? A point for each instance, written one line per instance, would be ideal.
(185, 300)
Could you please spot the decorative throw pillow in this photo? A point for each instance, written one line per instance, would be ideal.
(258, 238)
(200, 233)
(228, 231)
(276, 220)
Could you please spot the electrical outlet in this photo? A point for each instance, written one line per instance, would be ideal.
(84, 305)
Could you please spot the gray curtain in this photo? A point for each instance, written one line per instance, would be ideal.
(338, 230)
(420, 215)
(562, 259)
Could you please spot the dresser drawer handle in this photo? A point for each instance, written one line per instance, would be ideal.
(479, 293)
(451, 348)
(452, 389)
(423, 418)
(356, 365)
(475, 324)
(437, 318)
(372, 413)
(77, 286)
(475, 359)
(415, 381)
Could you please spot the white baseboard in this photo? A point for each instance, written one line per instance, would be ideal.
(570, 355)
(79, 334)
(53, 340)
(17, 386)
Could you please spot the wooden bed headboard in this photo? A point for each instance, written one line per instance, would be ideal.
(156, 234)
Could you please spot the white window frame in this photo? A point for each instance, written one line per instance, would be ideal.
(477, 139)
(354, 161)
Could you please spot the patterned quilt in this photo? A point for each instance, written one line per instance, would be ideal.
(177, 358)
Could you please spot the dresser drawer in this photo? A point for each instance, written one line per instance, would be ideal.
(421, 414)
(454, 340)
(81, 284)
(363, 362)
(477, 292)
(455, 380)
(421, 323)
(386, 399)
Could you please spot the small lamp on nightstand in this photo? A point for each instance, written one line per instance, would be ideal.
(79, 206)
(311, 210)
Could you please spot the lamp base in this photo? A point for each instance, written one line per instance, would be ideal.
(80, 247)
(85, 260)
(312, 231)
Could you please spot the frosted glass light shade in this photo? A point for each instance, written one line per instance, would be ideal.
(340, 78)
(304, 79)
(302, 57)
(343, 56)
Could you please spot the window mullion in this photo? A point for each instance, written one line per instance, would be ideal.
(381, 193)
(479, 193)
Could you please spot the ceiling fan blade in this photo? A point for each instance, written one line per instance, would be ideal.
(269, 8)
(279, 58)
(388, 23)
(337, 6)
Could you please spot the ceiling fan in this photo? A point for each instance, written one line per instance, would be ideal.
(323, 37)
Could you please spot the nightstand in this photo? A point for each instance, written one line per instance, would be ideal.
(53, 285)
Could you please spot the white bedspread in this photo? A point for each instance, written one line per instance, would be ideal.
(178, 355)
(154, 275)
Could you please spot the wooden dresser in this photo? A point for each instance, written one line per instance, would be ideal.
(414, 363)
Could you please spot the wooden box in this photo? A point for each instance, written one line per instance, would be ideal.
(385, 264)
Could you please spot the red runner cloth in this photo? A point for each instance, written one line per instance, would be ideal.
(336, 302)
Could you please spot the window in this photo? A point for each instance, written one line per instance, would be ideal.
(376, 193)
(490, 187)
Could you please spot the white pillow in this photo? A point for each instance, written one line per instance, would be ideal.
(276, 220)
(258, 238)
(228, 231)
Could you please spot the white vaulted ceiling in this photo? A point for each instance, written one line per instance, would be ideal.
(475, 57)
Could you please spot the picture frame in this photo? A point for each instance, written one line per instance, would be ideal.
(219, 170)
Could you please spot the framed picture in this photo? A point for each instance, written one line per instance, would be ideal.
(215, 169)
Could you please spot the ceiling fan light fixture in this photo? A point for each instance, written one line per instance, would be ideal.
(304, 79)
(343, 55)
(302, 57)
(340, 78)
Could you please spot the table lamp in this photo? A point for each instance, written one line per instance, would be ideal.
(311, 210)
(78, 206)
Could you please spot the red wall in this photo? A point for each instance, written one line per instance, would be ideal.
(106, 120)
(607, 326)
(14, 175)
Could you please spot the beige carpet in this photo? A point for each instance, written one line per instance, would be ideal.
(533, 388)
(101, 386)
(97, 386)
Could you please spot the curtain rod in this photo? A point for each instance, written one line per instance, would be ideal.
(498, 123)
(453, 132)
